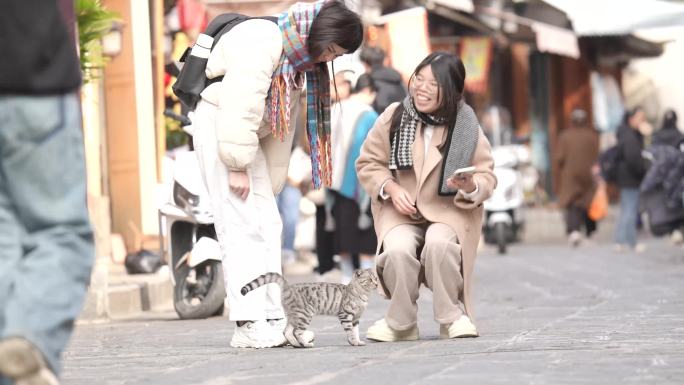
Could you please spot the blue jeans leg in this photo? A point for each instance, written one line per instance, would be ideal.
(46, 268)
(288, 205)
(626, 227)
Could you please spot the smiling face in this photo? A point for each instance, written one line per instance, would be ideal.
(425, 91)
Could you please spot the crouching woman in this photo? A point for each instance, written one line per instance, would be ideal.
(428, 220)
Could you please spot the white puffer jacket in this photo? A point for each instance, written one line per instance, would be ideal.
(247, 56)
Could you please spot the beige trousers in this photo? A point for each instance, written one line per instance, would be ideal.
(415, 254)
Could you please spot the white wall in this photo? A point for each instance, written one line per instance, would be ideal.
(147, 156)
(666, 73)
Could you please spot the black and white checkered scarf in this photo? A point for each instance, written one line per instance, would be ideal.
(459, 152)
(401, 157)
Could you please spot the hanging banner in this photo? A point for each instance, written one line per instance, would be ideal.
(476, 53)
(408, 35)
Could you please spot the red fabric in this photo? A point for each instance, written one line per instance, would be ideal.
(192, 15)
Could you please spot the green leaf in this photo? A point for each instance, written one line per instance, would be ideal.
(94, 21)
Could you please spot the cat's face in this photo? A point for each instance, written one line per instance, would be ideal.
(367, 278)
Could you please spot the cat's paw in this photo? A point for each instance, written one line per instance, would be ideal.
(308, 336)
(357, 343)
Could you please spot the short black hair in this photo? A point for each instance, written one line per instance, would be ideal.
(372, 56)
(335, 23)
(365, 81)
(630, 113)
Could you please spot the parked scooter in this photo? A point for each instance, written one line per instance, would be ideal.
(504, 211)
(189, 243)
(504, 214)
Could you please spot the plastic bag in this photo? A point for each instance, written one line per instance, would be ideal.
(143, 262)
(598, 209)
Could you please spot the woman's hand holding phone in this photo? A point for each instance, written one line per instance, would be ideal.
(462, 179)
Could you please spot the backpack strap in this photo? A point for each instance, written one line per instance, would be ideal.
(231, 20)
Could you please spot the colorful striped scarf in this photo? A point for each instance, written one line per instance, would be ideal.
(295, 25)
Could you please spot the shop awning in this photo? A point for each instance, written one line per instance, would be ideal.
(556, 40)
(619, 17)
(458, 5)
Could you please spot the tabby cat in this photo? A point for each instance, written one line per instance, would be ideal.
(304, 300)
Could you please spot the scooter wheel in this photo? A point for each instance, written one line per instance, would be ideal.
(202, 296)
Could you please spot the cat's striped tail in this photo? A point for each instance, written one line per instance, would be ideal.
(263, 280)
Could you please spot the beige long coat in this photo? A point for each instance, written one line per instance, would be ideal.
(464, 216)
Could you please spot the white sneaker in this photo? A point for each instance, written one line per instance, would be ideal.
(461, 328)
(23, 363)
(279, 326)
(331, 276)
(257, 334)
(639, 248)
(380, 331)
(575, 238)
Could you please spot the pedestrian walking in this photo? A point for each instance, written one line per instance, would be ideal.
(575, 155)
(46, 242)
(427, 218)
(244, 139)
(631, 171)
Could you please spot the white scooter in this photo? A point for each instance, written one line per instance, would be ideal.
(504, 214)
(189, 244)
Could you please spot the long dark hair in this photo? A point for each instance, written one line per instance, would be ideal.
(335, 23)
(449, 71)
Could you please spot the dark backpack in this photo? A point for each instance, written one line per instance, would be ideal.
(192, 80)
(609, 161)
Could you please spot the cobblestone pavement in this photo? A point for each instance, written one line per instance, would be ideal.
(546, 314)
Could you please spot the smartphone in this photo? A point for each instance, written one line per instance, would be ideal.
(464, 170)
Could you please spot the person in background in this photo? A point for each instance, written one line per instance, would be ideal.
(387, 80)
(289, 198)
(575, 155)
(353, 234)
(669, 134)
(243, 139)
(46, 242)
(340, 87)
(631, 171)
